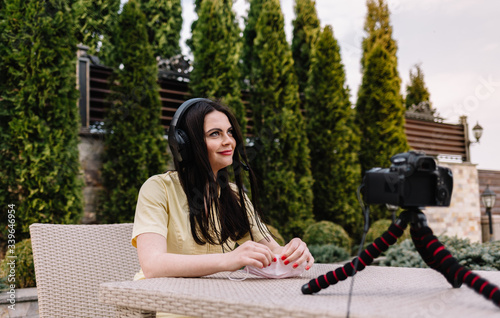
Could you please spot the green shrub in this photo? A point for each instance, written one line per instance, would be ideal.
(40, 171)
(376, 230)
(281, 157)
(328, 253)
(403, 255)
(475, 256)
(379, 227)
(333, 138)
(24, 267)
(3, 283)
(326, 232)
(134, 147)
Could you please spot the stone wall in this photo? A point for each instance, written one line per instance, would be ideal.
(462, 217)
(91, 147)
(26, 305)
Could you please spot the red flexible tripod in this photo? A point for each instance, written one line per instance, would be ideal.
(428, 246)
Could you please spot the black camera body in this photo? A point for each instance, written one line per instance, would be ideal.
(413, 180)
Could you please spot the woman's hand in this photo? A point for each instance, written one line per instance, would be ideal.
(249, 253)
(296, 252)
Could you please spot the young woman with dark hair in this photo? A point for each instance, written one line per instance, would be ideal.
(188, 221)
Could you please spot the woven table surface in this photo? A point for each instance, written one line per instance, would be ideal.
(377, 292)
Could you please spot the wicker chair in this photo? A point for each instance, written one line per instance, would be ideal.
(72, 260)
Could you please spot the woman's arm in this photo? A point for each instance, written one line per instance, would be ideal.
(157, 262)
(294, 253)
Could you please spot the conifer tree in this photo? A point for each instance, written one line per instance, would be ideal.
(216, 53)
(164, 25)
(134, 145)
(305, 27)
(416, 91)
(379, 108)
(197, 6)
(40, 179)
(96, 20)
(333, 138)
(378, 28)
(280, 154)
(249, 34)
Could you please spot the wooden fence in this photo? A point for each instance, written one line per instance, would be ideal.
(434, 138)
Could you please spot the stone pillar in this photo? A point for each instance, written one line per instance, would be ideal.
(91, 147)
(462, 217)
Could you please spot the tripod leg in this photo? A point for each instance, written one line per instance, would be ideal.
(439, 258)
(373, 250)
(436, 257)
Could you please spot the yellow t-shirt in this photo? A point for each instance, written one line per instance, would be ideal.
(162, 208)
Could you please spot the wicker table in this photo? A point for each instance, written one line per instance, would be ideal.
(377, 292)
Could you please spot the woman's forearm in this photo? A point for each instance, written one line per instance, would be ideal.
(177, 265)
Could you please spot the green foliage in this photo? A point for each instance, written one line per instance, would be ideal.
(333, 138)
(378, 29)
(475, 256)
(216, 51)
(4, 284)
(38, 115)
(403, 255)
(379, 227)
(305, 28)
(96, 20)
(134, 146)
(328, 253)
(249, 35)
(326, 232)
(379, 108)
(380, 112)
(24, 266)
(164, 24)
(280, 154)
(416, 92)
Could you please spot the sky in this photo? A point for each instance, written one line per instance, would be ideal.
(456, 42)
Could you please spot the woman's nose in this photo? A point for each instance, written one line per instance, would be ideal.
(226, 139)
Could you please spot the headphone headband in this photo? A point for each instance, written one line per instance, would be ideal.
(177, 138)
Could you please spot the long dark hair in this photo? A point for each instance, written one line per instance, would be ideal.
(218, 208)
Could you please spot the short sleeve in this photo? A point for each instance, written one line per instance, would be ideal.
(151, 213)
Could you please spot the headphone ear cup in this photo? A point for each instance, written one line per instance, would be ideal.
(178, 140)
(183, 145)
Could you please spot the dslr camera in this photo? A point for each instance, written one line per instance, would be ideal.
(413, 180)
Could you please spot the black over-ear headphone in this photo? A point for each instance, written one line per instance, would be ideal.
(177, 138)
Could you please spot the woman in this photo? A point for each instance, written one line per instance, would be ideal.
(188, 221)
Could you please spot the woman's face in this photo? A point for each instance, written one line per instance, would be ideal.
(219, 139)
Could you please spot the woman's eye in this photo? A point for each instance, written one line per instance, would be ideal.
(230, 132)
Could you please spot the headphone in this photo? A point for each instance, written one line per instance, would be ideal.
(178, 139)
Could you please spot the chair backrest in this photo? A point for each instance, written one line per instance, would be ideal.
(72, 260)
